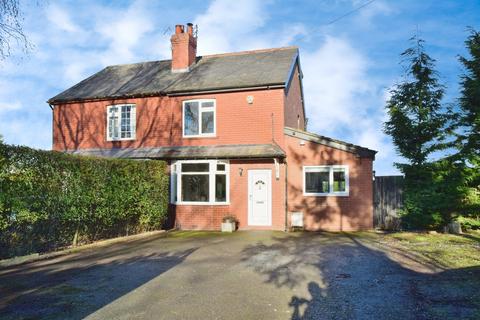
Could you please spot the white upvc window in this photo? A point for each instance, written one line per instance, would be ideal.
(325, 180)
(121, 122)
(199, 118)
(200, 182)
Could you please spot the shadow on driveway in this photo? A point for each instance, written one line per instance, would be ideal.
(353, 279)
(77, 285)
(246, 275)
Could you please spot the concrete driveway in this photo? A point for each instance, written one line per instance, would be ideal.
(245, 275)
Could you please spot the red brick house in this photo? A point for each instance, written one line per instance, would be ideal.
(232, 128)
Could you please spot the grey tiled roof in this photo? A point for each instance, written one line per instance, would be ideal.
(228, 71)
(333, 143)
(189, 152)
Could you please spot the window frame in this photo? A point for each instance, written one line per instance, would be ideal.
(200, 103)
(331, 169)
(133, 121)
(176, 182)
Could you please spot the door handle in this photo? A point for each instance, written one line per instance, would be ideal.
(260, 202)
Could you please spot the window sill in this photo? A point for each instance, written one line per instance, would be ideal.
(184, 203)
(120, 139)
(201, 136)
(339, 194)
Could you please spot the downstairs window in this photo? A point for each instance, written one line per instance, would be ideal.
(325, 180)
(199, 182)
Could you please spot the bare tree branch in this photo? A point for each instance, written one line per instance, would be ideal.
(11, 30)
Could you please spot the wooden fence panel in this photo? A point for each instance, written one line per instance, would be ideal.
(387, 200)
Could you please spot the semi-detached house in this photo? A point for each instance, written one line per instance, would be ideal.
(232, 128)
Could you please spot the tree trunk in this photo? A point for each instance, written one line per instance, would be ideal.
(75, 237)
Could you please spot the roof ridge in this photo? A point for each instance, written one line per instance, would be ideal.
(238, 53)
(134, 63)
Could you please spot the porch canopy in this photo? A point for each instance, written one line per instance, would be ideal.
(239, 151)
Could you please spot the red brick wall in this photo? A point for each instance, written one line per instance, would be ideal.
(209, 217)
(159, 121)
(294, 116)
(334, 213)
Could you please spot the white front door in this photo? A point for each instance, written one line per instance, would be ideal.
(260, 197)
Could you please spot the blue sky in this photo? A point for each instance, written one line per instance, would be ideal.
(348, 65)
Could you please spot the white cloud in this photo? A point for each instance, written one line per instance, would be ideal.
(365, 16)
(26, 131)
(61, 18)
(227, 25)
(11, 106)
(124, 30)
(341, 99)
(334, 75)
(290, 33)
(20, 125)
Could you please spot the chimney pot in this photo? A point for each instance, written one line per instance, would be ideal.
(190, 28)
(178, 28)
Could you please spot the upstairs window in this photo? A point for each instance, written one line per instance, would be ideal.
(325, 180)
(199, 118)
(121, 121)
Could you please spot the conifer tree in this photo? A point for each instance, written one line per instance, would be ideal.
(469, 120)
(417, 123)
(468, 123)
(417, 120)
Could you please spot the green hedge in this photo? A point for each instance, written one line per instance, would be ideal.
(50, 200)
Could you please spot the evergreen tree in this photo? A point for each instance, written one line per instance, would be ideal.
(416, 119)
(418, 125)
(468, 122)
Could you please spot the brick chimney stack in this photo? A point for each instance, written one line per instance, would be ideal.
(184, 48)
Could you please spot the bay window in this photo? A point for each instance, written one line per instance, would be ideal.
(121, 121)
(325, 180)
(199, 118)
(199, 182)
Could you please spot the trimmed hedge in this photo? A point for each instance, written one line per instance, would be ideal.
(49, 200)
